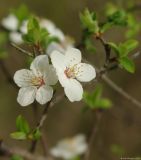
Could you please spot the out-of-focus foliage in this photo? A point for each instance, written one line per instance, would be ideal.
(94, 100)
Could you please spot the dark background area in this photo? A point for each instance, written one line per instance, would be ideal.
(120, 125)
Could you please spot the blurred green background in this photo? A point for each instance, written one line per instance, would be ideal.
(120, 128)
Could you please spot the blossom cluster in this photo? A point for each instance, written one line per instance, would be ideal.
(17, 29)
(70, 148)
(61, 61)
(67, 68)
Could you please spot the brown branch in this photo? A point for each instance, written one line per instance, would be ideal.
(93, 135)
(22, 50)
(118, 89)
(7, 73)
(6, 151)
(43, 118)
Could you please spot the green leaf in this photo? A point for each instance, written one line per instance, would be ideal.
(127, 64)
(105, 27)
(89, 46)
(117, 150)
(118, 18)
(22, 125)
(110, 9)
(114, 47)
(3, 38)
(89, 21)
(37, 134)
(22, 13)
(3, 54)
(33, 24)
(95, 101)
(128, 46)
(18, 135)
(35, 35)
(105, 103)
(133, 26)
(16, 157)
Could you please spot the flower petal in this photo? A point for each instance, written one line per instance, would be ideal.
(58, 60)
(72, 56)
(44, 94)
(23, 77)
(51, 77)
(10, 22)
(16, 37)
(74, 90)
(85, 72)
(39, 65)
(26, 95)
(54, 46)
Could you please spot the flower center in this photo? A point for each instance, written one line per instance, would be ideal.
(38, 81)
(70, 72)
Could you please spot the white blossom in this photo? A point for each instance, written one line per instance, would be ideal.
(70, 71)
(35, 83)
(69, 148)
(23, 27)
(16, 37)
(52, 29)
(10, 22)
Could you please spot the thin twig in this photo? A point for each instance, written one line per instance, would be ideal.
(6, 151)
(43, 118)
(121, 91)
(93, 135)
(22, 50)
(6, 73)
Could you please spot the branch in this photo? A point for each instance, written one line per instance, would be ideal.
(121, 91)
(22, 50)
(43, 118)
(93, 135)
(6, 151)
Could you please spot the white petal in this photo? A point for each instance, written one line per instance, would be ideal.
(85, 72)
(80, 144)
(51, 77)
(58, 60)
(64, 81)
(23, 77)
(72, 56)
(74, 90)
(10, 22)
(44, 94)
(39, 65)
(26, 95)
(59, 34)
(54, 46)
(23, 27)
(16, 37)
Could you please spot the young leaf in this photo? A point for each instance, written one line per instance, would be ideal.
(127, 64)
(114, 47)
(22, 125)
(22, 13)
(130, 45)
(95, 101)
(18, 135)
(37, 134)
(89, 21)
(118, 18)
(16, 157)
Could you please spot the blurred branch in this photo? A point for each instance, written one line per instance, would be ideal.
(93, 134)
(22, 50)
(121, 91)
(40, 124)
(6, 73)
(6, 151)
